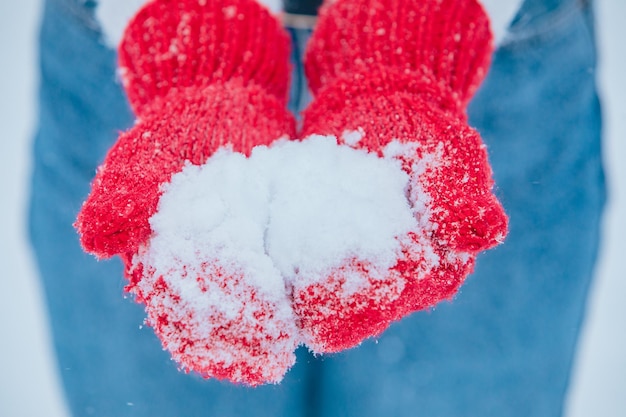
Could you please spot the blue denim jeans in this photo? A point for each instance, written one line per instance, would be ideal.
(503, 347)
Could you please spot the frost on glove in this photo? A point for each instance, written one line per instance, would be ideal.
(200, 77)
(394, 77)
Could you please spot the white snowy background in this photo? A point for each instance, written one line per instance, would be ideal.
(28, 381)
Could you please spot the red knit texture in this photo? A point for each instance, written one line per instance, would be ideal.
(404, 70)
(200, 76)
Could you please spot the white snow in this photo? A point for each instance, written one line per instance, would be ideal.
(295, 209)
(352, 138)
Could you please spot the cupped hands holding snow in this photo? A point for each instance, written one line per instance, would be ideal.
(234, 238)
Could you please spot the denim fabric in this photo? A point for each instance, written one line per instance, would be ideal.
(299, 94)
(503, 347)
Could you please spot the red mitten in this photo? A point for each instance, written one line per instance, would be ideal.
(201, 78)
(394, 77)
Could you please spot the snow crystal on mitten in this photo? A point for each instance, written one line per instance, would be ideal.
(200, 77)
(394, 77)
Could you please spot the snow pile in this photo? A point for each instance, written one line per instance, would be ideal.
(329, 203)
(294, 208)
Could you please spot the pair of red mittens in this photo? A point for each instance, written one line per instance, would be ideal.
(191, 197)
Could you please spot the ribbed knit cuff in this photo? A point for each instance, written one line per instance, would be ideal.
(450, 39)
(186, 43)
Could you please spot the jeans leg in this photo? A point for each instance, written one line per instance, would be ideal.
(299, 96)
